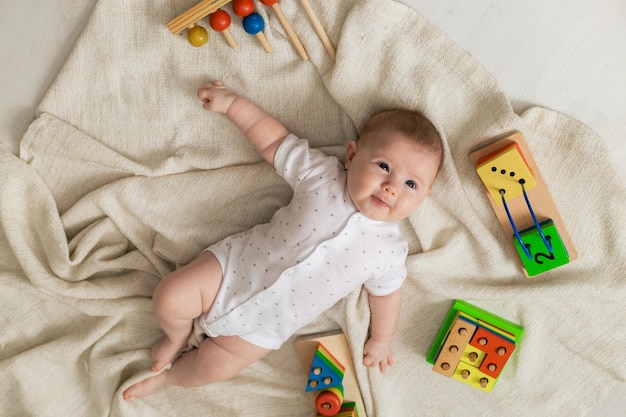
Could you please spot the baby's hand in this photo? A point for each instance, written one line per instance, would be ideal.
(377, 353)
(216, 97)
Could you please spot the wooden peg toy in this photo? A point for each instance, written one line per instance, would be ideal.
(253, 24)
(334, 359)
(220, 21)
(288, 28)
(473, 345)
(319, 29)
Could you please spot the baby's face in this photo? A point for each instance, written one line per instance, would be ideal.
(389, 175)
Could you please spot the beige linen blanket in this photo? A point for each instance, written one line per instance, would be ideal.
(123, 178)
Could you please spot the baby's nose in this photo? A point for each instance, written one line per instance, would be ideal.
(390, 189)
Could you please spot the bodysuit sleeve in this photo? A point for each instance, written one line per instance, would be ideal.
(393, 276)
(295, 161)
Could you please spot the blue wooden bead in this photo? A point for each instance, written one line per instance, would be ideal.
(253, 23)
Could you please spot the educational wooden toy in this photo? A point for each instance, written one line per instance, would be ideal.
(326, 370)
(331, 379)
(220, 21)
(254, 25)
(512, 181)
(473, 345)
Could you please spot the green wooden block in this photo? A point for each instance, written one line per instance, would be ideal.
(541, 259)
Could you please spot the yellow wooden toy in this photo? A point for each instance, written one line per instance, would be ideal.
(503, 170)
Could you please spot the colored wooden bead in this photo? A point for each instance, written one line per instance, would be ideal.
(243, 8)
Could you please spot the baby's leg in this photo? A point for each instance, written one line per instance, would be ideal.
(217, 359)
(178, 299)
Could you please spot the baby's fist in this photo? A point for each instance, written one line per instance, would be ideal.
(216, 97)
(377, 353)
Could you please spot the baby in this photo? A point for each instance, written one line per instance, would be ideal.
(253, 290)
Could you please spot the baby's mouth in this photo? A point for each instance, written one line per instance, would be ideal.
(379, 202)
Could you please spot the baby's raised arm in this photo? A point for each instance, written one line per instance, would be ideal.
(263, 131)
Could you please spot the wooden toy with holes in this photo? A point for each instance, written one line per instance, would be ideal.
(253, 24)
(473, 346)
(523, 205)
(331, 380)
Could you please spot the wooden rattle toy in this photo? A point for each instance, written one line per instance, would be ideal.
(288, 28)
(253, 24)
(220, 21)
(319, 29)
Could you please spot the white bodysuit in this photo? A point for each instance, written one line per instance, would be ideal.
(281, 275)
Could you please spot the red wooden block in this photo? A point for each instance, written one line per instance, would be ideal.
(497, 350)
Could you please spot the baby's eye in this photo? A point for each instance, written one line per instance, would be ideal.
(384, 166)
(411, 184)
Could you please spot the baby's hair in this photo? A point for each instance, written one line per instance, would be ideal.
(411, 124)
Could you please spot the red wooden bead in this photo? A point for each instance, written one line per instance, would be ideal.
(243, 7)
(219, 21)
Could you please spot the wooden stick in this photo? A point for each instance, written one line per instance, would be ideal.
(195, 14)
(229, 38)
(264, 42)
(290, 32)
(321, 33)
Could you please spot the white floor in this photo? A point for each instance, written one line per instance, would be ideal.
(567, 55)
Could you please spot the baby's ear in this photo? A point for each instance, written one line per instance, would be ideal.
(350, 152)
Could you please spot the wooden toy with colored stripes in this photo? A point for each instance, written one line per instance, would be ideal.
(331, 380)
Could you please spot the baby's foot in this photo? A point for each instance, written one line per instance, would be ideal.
(164, 351)
(145, 387)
